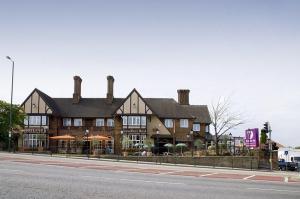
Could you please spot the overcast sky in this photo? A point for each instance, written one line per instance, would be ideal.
(248, 50)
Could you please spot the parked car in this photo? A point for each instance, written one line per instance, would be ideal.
(291, 166)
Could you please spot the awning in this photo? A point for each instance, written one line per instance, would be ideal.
(63, 137)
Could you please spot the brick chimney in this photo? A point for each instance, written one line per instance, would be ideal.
(77, 89)
(110, 89)
(183, 96)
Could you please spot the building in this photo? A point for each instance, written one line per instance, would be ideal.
(50, 121)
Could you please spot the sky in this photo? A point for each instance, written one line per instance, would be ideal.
(245, 50)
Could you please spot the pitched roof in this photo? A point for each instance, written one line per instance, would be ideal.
(168, 108)
(87, 107)
(98, 107)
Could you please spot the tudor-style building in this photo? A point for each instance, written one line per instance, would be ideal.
(161, 119)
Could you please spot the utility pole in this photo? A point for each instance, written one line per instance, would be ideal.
(270, 147)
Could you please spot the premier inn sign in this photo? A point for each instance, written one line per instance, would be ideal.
(251, 138)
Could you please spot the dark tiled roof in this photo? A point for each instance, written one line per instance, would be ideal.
(98, 107)
(167, 108)
(87, 107)
(200, 112)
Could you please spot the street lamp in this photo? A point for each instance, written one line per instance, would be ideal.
(192, 140)
(11, 99)
(122, 132)
(230, 139)
(157, 138)
(87, 142)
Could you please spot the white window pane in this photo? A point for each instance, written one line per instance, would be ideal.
(78, 122)
(100, 122)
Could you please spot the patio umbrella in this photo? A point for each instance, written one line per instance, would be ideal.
(168, 145)
(97, 137)
(63, 137)
(138, 145)
(181, 145)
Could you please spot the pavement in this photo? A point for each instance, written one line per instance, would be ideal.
(27, 176)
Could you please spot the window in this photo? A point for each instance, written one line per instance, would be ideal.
(134, 120)
(124, 120)
(44, 120)
(207, 128)
(196, 127)
(169, 123)
(100, 122)
(110, 122)
(133, 140)
(67, 122)
(78, 122)
(26, 120)
(35, 140)
(35, 120)
(143, 120)
(184, 123)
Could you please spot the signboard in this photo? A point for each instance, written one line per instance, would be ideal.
(36, 130)
(286, 152)
(251, 138)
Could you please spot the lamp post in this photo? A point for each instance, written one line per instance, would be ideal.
(122, 132)
(87, 143)
(188, 138)
(192, 141)
(157, 138)
(11, 99)
(230, 139)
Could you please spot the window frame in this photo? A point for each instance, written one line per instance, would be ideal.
(184, 123)
(110, 122)
(69, 121)
(102, 123)
(76, 120)
(169, 123)
(196, 130)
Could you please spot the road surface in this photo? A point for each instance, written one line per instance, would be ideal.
(45, 177)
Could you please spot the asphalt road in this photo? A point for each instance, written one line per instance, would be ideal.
(27, 180)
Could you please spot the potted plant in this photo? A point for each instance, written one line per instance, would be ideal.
(199, 146)
(125, 143)
(148, 144)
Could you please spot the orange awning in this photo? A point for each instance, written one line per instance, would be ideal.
(63, 137)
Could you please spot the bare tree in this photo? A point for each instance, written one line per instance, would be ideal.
(223, 119)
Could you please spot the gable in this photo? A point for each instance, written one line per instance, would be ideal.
(35, 104)
(134, 104)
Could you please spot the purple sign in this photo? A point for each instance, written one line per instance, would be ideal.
(251, 138)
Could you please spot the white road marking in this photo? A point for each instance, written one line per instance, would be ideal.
(209, 174)
(246, 178)
(135, 180)
(278, 190)
(149, 181)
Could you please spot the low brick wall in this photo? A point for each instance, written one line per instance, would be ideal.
(247, 162)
